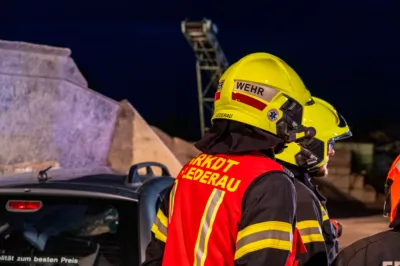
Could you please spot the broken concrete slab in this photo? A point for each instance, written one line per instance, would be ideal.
(183, 150)
(365, 195)
(342, 158)
(357, 181)
(167, 139)
(47, 113)
(46, 110)
(134, 141)
(339, 181)
(34, 60)
(339, 170)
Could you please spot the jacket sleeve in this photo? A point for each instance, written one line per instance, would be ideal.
(159, 232)
(371, 250)
(266, 228)
(340, 261)
(351, 256)
(330, 233)
(309, 224)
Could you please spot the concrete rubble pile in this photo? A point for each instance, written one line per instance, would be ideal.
(48, 114)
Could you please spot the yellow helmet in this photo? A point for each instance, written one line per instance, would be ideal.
(330, 126)
(263, 91)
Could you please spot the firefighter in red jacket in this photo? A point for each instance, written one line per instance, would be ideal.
(307, 160)
(383, 248)
(233, 204)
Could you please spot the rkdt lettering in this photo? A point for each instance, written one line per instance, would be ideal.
(213, 171)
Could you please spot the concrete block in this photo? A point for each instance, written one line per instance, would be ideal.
(47, 113)
(339, 181)
(341, 158)
(339, 170)
(167, 139)
(183, 150)
(120, 156)
(134, 141)
(366, 194)
(357, 181)
(380, 197)
(34, 60)
(334, 193)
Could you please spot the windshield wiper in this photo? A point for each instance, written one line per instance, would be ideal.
(42, 176)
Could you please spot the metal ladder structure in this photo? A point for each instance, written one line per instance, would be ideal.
(210, 62)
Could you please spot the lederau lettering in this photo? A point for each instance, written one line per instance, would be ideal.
(212, 170)
(223, 115)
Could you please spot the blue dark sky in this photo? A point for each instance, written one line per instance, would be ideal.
(347, 52)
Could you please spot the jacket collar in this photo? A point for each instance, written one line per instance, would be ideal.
(302, 175)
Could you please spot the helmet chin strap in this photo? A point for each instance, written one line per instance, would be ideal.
(293, 134)
(292, 131)
(305, 158)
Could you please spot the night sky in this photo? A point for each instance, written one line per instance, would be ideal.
(347, 52)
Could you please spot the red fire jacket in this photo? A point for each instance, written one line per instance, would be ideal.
(217, 216)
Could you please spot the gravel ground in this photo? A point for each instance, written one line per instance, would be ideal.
(357, 228)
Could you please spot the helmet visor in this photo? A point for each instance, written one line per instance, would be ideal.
(331, 142)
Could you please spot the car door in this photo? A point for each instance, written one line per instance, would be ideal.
(68, 230)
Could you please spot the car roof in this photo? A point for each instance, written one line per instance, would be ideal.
(98, 180)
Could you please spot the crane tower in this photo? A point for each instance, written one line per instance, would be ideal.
(210, 63)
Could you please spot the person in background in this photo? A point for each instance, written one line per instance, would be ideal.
(306, 159)
(381, 249)
(234, 204)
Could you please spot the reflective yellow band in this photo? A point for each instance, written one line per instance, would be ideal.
(307, 224)
(310, 231)
(172, 200)
(312, 238)
(160, 226)
(325, 216)
(206, 226)
(272, 234)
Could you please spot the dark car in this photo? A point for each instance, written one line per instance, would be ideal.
(79, 216)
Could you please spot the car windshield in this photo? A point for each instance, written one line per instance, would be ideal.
(67, 231)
